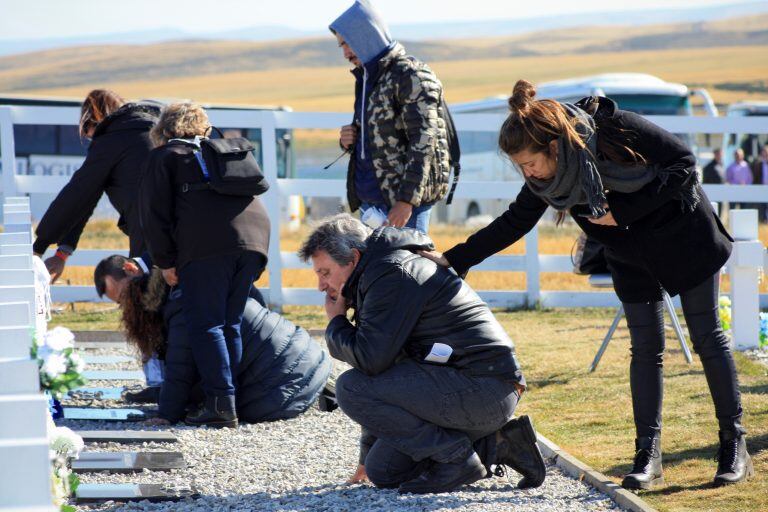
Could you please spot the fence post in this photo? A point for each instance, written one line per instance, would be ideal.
(8, 152)
(532, 277)
(272, 201)
(744, 267)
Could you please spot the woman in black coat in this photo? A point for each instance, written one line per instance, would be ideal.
(633, 187)
(282, 370)
(120, 144)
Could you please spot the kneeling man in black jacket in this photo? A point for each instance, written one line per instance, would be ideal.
(435, 380)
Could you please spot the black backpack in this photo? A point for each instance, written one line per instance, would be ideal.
(229, 168)
(453, 149)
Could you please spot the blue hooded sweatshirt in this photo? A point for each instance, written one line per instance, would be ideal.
(366, 33)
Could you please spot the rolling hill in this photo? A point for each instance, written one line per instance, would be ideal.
(727, 56)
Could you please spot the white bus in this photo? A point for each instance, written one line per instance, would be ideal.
(636, 92)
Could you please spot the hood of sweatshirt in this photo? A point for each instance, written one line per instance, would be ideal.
(364, 30)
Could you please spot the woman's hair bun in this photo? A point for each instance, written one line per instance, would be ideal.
(522, 96)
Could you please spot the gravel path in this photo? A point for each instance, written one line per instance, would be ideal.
(300, 465)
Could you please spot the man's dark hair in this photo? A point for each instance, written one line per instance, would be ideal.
(109, 266)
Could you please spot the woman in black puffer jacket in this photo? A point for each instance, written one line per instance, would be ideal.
(282, 370)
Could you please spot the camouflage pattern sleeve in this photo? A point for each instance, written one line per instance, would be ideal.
(418, 93)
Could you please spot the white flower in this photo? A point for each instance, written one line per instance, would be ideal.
(54, 365)
(77, 362)
(44, 352)
(66, 443)
(60, 338)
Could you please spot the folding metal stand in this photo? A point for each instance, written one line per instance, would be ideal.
(605, 281)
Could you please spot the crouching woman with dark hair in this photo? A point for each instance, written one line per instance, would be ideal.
(282, 370)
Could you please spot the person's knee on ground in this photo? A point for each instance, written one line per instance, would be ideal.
(387, 468)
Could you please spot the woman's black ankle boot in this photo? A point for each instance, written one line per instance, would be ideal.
(646, 471)
(733, 462)
(216, 411)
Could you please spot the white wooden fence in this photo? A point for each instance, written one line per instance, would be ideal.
(532, 263)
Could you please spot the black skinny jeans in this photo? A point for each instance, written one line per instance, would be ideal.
(645, 321)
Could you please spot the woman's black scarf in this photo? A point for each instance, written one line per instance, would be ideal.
(581, 179)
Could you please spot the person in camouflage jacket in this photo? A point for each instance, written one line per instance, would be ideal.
(400, 161)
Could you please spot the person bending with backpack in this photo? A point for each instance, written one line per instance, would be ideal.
(211, 245)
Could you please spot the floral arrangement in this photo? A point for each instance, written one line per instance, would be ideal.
(724, 307)
(64, 445)
(763, 330)
(61, 368)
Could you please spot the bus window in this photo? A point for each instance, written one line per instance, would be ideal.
(70, 142)
(34, 139)
(653, 104)
(284, 162)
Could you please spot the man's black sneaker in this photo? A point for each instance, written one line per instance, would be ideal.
(518, 449)
(446, 476)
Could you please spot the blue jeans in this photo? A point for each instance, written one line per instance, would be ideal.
(214, 291)
(419, 217)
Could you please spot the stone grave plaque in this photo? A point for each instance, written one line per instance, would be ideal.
(113, 374)
(88, 413)
(94, 493)
(107, 359)
(128, 462)
(127, 436)
(96, 393)
(86, 345)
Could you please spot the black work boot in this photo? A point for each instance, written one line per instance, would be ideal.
(446, 476)
(646, 471)
(148, 395)
(734, 463)
(217, 411)
(516, 447)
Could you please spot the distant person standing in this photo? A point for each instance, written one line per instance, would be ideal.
(760, 177)
(398, 137)
(119, 135)
(713, 171)
(739, 173)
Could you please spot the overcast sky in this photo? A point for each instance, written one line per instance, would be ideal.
(38, 19)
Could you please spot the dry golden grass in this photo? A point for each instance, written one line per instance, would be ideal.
(330, 88)
(590, 414)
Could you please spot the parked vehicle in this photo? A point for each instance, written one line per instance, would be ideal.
(640, 93)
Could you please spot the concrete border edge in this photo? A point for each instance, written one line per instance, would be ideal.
(582, 472)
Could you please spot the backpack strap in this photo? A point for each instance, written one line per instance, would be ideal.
(453, 148)
(206, 184)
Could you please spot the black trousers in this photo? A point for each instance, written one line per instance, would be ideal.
(416, 413)
(645, 321)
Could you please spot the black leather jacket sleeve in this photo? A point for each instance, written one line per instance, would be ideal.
(390, 308)
(661, 148)
(521, 216)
